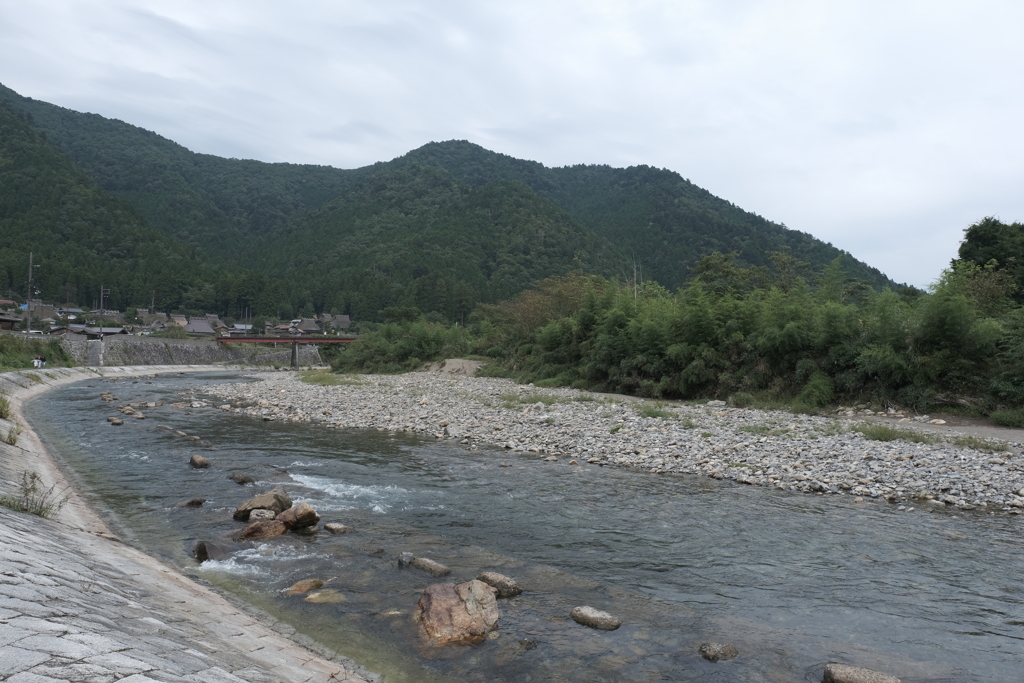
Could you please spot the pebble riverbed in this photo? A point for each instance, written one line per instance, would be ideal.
(812, 454)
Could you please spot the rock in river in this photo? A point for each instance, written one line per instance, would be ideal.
(717, 652)
(595, 618)
(199, 462)
(299, 517)
(208, 551)
(241, 479)
(840, 673)
(506, 586)
(338, 528)
(259, 515)
(430, 567)
(191, 503)
(275, 500)
(259, 531)
(304, 586)
(463, 613)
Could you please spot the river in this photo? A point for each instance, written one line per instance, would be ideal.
(794, 581)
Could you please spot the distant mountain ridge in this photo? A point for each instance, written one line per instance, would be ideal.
(442, 227)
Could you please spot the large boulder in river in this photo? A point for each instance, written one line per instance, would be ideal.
(841, 673)
(505, 585)
(453, 614)
(299, 517)
(259, 514)
(275, 500)
(261, 531)
(595, 618)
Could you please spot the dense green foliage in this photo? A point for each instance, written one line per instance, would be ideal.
(992, 242)
(811, 344)
(403, 346)
(16, 353)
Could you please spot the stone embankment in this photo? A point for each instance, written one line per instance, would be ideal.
(812, 454)
(76, 604)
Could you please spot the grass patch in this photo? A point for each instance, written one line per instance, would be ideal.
(687, 423)
(654, 410)
(32, 376)
(756, 429)
(614, 429)
(12, 434)
(706, 435)
(530, 399)
(326, 378)
(5, 406)
(1008, 418)
(31, 497)
(978, 443)
(886, 433)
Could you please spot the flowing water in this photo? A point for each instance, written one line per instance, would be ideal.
(793, 581)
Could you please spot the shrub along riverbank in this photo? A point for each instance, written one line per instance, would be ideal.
(750, 335)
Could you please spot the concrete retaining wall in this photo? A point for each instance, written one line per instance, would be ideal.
(121, 350)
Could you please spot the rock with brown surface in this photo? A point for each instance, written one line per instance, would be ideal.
(299, 517)
(275, 500)
(303, 586)
(116, 421)
(506, 586)
(841, 673)
(199, 462)
(241, 479)
(453, 614)
(595, 618)
(430, 567)
(260, 515)
(191, 503)
(338, 528)
(260, 531)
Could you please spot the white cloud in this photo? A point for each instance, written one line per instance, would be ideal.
(884, 128)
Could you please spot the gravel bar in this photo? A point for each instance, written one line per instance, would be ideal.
(812, 454)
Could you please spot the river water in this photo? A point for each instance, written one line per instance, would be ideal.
(794, 581)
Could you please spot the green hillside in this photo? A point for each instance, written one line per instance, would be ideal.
(81, 236)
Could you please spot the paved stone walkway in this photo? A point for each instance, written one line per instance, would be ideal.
(78, 605)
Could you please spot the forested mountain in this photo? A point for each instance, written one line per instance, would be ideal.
(651, 215)
(415, 236)
(84, 237)
(441, 228)
(208, 202)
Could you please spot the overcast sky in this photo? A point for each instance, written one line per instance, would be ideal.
(885, 127)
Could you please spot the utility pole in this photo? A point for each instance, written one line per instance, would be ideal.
(28, 301)
(102, 292)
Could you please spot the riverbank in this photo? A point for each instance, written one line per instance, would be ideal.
(77, 604)
(565, 427)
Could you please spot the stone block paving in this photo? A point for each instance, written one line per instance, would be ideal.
(75, 606)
